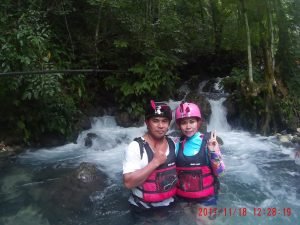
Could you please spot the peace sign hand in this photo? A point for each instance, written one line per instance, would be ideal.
(212, 142)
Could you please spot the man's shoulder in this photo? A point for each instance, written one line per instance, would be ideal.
(173, 138)
(133, 144)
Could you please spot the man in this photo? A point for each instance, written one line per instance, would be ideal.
(149, 164)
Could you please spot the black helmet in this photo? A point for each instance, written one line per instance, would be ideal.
(158, 109)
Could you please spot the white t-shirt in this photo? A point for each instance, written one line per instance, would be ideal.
(132, 161)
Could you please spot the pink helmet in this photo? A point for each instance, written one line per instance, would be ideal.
(185, 110)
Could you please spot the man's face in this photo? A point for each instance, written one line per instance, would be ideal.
(158, 126)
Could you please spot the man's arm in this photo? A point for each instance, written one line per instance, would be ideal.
(137, 177)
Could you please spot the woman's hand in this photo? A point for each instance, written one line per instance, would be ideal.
(212, 143)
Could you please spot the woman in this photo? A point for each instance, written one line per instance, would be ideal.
(198, 164)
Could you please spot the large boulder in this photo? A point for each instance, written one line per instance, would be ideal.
(71, 194)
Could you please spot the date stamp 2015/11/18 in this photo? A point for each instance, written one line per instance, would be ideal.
(268, 212)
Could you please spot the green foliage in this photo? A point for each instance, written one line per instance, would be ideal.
(25, 44)
(147, 41)
(239, 76)
(36, 105)
(75, 86)
(294, 84)
(32, 105)
(287, 109)
(154, 79)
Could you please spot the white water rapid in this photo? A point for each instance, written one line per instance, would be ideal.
(261, 184)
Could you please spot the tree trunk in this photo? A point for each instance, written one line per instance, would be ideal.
(269, 79)
(217, 25)
(68, 29)
(272, 39)
(250, 69)
(97, 34)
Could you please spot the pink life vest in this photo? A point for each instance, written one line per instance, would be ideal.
(195, 176)
(161, 184)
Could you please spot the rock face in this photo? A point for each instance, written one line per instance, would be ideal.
(72, 193)
(124, 119)
(88, 141)
(104, 142)
(86, 173)
(232, 111)
(202, 102)
(289, 140)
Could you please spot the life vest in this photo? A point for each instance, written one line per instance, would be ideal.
(161, 184)
(195, 176)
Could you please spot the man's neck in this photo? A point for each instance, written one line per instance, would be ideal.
(153, 140)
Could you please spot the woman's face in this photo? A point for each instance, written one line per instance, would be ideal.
(189, 126)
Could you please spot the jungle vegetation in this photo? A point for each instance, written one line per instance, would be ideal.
(150, 47)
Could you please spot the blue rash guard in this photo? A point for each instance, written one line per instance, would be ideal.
(192, 145)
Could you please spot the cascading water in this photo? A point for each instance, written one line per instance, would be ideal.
(218, 117)
(261, 184)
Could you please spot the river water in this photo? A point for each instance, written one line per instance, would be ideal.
(261, 184)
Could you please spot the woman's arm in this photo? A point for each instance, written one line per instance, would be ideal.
(215, 156)
(216, 161)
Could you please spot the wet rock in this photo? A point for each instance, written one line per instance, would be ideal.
(181, 92)
(9, 151)
(71, 194)
(296, 139)
(285, 140)
(210, 86)
(124, 119)
(86, 173)
(84, 123)
(122, 138)
(284, 132)
(232, 111)
(202, 102)
(88, 141)
(49, 140)
(103, 142)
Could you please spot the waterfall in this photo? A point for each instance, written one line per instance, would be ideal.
(218, 119)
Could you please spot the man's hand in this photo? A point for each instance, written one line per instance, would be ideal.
(159, 157)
